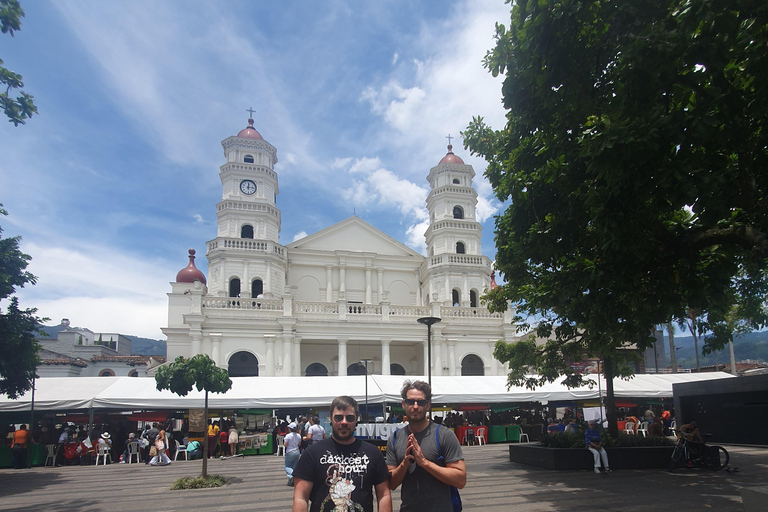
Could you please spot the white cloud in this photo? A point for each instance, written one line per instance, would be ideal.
(99, 288)
(198, 218)
(299, 235)
(395, 58)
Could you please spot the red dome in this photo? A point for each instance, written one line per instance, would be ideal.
(190, 274)
(450, 158)
(250, 132)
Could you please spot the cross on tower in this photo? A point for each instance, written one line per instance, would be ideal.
(251, 111)
(449, 139)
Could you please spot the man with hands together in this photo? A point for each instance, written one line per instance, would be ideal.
(426, 470)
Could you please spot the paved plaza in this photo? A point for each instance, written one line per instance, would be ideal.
(493, 484)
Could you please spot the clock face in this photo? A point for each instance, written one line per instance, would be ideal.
(247, 187)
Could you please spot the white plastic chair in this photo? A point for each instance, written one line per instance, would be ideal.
(180, 449)
(469, 437)
(643, 429)
(104, 452)
(134, 449)
(280, 446)
(523, 435)
(480, 436)
(629, 428)
(50, 454)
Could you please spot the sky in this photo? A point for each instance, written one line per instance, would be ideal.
(119, 174)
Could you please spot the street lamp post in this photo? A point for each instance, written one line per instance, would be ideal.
(365, 362)
(428, 321)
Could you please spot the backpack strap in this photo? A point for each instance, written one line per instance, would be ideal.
(437, 440)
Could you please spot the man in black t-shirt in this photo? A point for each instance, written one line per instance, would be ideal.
(341, 472)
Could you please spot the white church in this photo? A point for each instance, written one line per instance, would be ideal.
(346, 294)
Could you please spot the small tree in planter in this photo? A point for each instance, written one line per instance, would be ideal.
(199, 371)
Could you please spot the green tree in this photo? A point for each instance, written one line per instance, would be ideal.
(18, 348)
(22, 107)
(201, 372)
(634, 158)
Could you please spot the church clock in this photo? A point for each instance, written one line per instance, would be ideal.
(247, 187)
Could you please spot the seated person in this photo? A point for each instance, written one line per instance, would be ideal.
(691, 433)
(194, 450)
(594, 445)
(132, 439)
(656, 429)
(572, 426)
(634, 420)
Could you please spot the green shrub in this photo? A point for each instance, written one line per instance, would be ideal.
(577, 440)
(190, 482)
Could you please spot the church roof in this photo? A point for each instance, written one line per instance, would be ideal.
(354, 235)
(450, 158)
(190, 273)
(249, 132)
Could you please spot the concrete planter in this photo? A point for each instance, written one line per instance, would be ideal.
(650, 457)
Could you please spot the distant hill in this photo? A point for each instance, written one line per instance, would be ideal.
(139, 345)
(753, 345)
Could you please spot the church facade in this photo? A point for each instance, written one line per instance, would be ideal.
(341, 299)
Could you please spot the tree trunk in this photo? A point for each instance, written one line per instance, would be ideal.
(610, 399)
(733, 358)
(672, 352)
(205, 437)
(692, 325)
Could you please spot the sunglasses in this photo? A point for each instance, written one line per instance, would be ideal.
(351, 418)
(412, 401)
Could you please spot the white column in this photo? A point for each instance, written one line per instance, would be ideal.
(196, 338)
(297, 369)
(452, 357)
(328, 283)
(287, 353)
(368, 291)
(342, 278)
(267, 285)
(380, 282)
(385, 361)
(216, 348)
(224, 290)
(437, 360)
(342, 357)
(426, 358)
(269, 369)
(494, 362)
(418, 290)
(245, 284)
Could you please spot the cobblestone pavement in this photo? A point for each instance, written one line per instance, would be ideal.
(493, 484)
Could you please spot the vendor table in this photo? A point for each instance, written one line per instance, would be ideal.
(497, 434)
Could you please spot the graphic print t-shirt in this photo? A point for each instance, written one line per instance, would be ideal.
(343, 476)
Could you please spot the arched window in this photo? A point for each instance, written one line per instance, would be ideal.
(455, 181)
(316, 370)
(243, 364)
(460, 248)
(472, 365)
(234, 287)
(248, 159)
(133, 373)
(473, 298)
(246, 231)
(458, 212)
(257, 288)
(396, 369)
(356, 369)
(456, 298)
(106, 373)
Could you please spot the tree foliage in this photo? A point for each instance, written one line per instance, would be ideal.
(634, 158)
(18, 348)
(22, 107)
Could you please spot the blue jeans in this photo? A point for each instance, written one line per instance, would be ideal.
(291, 458)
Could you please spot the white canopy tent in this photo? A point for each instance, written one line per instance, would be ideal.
(132, 393)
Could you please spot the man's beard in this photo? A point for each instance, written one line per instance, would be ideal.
(416, 415)
(340, 436)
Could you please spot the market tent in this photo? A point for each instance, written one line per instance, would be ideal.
(70, 393)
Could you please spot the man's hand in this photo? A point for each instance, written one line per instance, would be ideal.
(415, 452)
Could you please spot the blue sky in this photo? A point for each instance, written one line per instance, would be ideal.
(118, 175)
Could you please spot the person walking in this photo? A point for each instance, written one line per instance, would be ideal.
(341, 472)
(234, 438)
(161, 458)
(427, 470)
(291, 441)
(315, 432)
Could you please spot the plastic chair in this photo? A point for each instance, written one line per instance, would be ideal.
(280, 446)
(480, 436)
(104, 452)
(134, 449)
(643, 429)
(629, 428)
(50, 454)
(523, 435)
(180, 449)
(469, 437)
